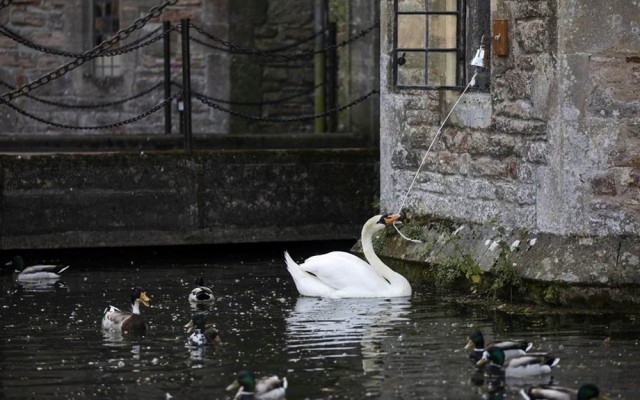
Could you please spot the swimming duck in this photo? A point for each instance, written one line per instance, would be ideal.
(117, 320)
(201, 294)
(271, 388)
(201, 333)
(35, 272)
(587, 391)
(518, 367)
(511, 348)
(339, 274)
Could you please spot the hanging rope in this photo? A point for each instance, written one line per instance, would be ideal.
(424, 158)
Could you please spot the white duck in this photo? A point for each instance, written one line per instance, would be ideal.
(340, 275)
(35, 272)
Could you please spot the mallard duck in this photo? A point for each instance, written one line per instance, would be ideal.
(35, 272)
(117, 320)
(201, 333)
(271, 388)
(588, 391)
(201, 294)
(518, 367)
(339, 274)
(511, 348)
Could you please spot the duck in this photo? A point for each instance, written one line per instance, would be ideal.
(588, 391)
(201, 333)
(339, 274)
(268, 388)
(528, 365)
(35, 272)
(201, 294)
(511, 348)
(116, 320)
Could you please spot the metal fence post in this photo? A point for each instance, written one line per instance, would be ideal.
(186, 83)
(319, 25)
(166, 25)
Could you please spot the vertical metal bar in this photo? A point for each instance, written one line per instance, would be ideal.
(186, 83)
(319, 65)
(332, 78)
(166, 25)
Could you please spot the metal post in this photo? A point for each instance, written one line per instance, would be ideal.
(166, 25)
(186, 83)
(319, 64)
(332, 78)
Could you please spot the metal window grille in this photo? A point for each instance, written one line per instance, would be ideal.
(106, 23)
(429, 46)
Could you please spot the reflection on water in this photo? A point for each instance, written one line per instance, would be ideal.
(52, 344)
(324, 328)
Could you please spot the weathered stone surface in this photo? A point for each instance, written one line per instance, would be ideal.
(168, 198)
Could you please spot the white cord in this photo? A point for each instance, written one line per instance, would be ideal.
(415, 177)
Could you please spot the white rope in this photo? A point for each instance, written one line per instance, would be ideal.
(415, 177)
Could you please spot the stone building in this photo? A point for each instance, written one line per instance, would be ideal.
(549, 154)
(254, 58)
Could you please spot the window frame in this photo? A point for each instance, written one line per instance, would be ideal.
(110, 67)
(459, 50)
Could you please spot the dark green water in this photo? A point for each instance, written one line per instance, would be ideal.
(52, 345)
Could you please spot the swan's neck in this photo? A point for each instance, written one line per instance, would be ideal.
(394, 278)
(135, 307)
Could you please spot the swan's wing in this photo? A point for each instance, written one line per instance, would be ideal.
(306, 283)
(340, 270)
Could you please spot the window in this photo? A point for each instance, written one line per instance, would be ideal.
(106, 23)
(433, 40)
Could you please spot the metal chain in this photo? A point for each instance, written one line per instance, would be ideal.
(88, 106)
(97, 127)
(136, 44)
(4, 3)
(252, 103)
(122, 34)
(303, 118)
(241, 49)
(235, 49)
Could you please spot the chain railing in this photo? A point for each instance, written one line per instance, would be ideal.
(122, 34)
(137, 118)
(88, 105)
(106, 49)
(278, 52)
(301, 118)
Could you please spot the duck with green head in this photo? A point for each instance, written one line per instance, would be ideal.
(271, 388)
(535, 364)
(588, 391)
(511, 348)
(201, 333)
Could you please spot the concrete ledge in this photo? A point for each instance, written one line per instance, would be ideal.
(554, 269)
(173, 198)
(162, 142)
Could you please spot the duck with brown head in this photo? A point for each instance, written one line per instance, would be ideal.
(116, 320)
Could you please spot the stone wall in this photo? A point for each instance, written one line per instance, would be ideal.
(552, 148)
(156, 198)
(237, 78)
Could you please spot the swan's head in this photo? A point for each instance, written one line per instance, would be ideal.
(379, 222)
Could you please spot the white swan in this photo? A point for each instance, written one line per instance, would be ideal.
(339, 274)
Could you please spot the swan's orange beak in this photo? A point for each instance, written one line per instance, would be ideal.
(391, 218)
